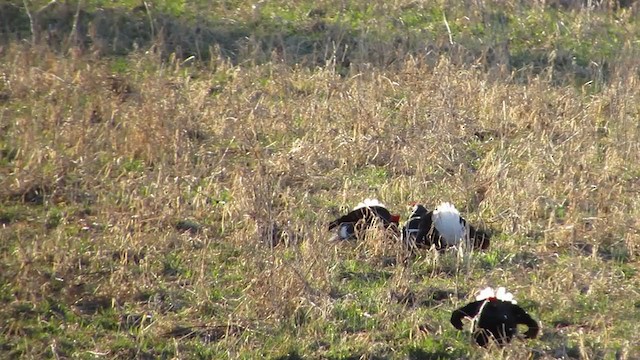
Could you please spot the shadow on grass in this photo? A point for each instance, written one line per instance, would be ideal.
(607, 250)
(314, 39)
(420, 354)
(428, 298)
(557, 345)
(119, 31)
(206, 334)
(365, 276)
(294, 355)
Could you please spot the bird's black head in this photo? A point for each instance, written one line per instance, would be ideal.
(418, 210)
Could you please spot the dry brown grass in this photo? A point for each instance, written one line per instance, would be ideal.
(106, 164)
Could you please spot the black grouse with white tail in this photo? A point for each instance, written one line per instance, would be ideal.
(495, 316)
(444, 227)
(366, 214)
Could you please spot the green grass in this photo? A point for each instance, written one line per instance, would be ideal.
(311, 33)
(169, 199)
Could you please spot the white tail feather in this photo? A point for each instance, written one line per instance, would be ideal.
(369, 203)
(343, 232)
(486, 293)
(500, 294)
(446, 219)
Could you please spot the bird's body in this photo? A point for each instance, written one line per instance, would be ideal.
(447, 221)
(365, 215)
(412, 226)
(495, 316)
(444, 227)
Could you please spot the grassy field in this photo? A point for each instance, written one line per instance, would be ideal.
(167, 173)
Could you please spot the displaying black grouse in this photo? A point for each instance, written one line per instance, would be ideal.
(365, 215)
(495, 316)
(444, 227)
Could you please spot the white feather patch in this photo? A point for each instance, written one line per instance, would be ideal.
(343, 232)
(500, 294)
(446, 220)
(369, 203)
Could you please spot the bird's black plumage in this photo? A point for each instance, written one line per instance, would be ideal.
(412, 226)
(365, 215)
(495, 320)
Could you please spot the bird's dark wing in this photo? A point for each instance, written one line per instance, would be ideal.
(419, 211)
(381, 213)
(426, 231)
(522, 317)
(480, 238)
(351, 217)
(470, 311)
(366, 213)
(413, 224)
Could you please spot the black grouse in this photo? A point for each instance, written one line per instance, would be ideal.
(365, 215)
(444, 227)
(495, 316)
